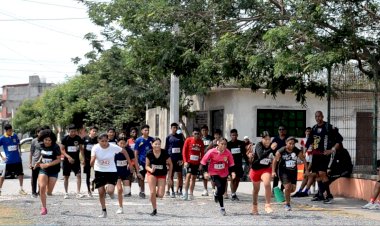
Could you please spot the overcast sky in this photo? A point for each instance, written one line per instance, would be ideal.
(40, 37)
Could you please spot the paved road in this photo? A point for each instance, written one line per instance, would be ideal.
(16, 209)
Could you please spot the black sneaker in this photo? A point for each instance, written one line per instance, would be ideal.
(296, 195)
(329, 199)
(128, 195)
(234, 198)
(303, 194)
(317, 199)
(154, 213)
(142, 195)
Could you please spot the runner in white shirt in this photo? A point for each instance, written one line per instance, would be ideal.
(103, 161)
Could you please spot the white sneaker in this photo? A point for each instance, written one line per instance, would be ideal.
(79, 196)
(22, 192)
(368, 205)
(375, 206)
(66, 196)
(103, 215)
(191, 197)
(120, 210)
(205, 193)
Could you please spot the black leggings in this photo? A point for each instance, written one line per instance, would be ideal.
(34, 180)
(220, 183)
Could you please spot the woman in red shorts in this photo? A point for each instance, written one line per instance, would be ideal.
(156, 161)
(261, 170)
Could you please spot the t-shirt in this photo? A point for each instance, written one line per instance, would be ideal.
(263, 157)
(131, 143)
(71, 145)
(159, 163)
(237, 149)
(280, 142)
(142, 146)
(320, 139)
(173, 146)
(35, 151)
(105, 158)
(49, 154)
(193, 151)
(219, 162)
(288, 160)
(11, 148)
(113, 141)
(207, 140)
(121, 162)
(88, 143)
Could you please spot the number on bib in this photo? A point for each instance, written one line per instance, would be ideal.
(121, 162)
(265, 161)
(290, 163)
(46, 160)
(194, 157)
(158, 167)
(89, 147)
(12, 148)
(176, 150)
(219, 166)
(72, 149)
(235, 151)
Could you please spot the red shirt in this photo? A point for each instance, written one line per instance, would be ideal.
(193, 151)
(219, 162)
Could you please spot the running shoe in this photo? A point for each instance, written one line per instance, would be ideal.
(288, 207)
(43, 211)
(328, 200)
(142, 195)
(191, 197)
(120, 210)
(103, 214)
(79, 196)
(303, 194)
(128, 195)
(34, 195)
(368, 205)
(66, 196)
(172, 195)
(185, 197)
(223, 212)
(168, 193)
(268, 208)
(89, 194)
(296, 195)
(375, 206)
(22, 192)
(179, 194)
(154, 212)
(234, 198)
(317, 199)
(205, 193)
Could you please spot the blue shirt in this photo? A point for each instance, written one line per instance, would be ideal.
(142, 146)
(11, 148)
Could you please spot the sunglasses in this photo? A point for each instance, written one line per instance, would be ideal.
(196, 133)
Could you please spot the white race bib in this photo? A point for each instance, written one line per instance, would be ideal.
(132, 146)
(104, 163)
(235, 151)
(265, 161)
(12, 148)
(158, 167)
(290, 163)
(206, 142)
(46, 160)
(194, 157)
(121, 163)
(176, 150)
(89, 147)
(219, 166)
(43, 152)
(72, 149)
(309, 158)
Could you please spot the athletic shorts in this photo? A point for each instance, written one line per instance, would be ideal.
(288, 176)
(15, 168)
(68, 168)
(103, 178)
(123, 174)
(255, 175)
(176, 166)
(42, 171)
(158, 177)
(192, 169)
(320, 163)
(238, 171)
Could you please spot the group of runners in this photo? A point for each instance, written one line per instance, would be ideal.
(118, 160)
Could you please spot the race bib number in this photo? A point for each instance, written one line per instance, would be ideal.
(206, 142)
(219, 166)
(290, 163)
(43, 152)
(265, 161)
(89, 147)
(132, 146)
(12, 148)
(121, 163)
(194, 157)
(235, 151)
(176, 150)
(158, 167)
(46, 160)
(105, 163)
(72, 149)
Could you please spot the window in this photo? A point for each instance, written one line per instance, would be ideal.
(271, 119)
(157, 127)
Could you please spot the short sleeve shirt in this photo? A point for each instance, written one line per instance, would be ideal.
(159, 163)
(105, 157)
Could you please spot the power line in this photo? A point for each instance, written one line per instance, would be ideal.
(53, 4)
(43, 19)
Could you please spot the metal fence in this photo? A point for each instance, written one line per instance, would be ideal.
(353, 107)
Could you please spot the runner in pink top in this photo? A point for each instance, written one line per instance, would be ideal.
(221, 163)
